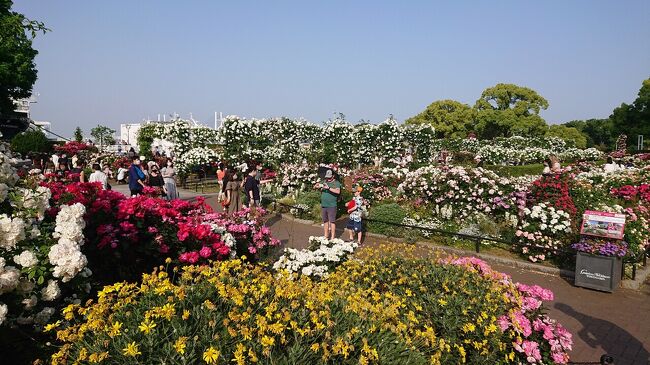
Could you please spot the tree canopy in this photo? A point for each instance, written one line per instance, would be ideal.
(17, 68)
(509, 109)
(103, 135)
(78, 135)
(30, 141)
(450, 118)
(634, 119)
(571, 135)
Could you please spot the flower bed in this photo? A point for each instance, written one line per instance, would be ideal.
(386, 309)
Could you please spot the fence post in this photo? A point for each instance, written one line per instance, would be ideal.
(477, 243)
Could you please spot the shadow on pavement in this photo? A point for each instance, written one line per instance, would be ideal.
(614, 340)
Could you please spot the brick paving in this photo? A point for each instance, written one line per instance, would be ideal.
(617, 324)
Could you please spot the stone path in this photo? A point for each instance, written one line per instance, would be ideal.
(617, 324)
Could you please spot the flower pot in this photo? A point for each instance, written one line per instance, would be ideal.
(598, 272)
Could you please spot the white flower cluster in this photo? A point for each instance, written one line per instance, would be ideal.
(27, 259)
(547, 219)
(12, 231)
(3, 312)
(8, 175)
(458, 192)
(316, 262)
(9, 277)
(66, 255)
(51, 291)
(228, 239)
(195, 157)
(36, 201)
(424, 224)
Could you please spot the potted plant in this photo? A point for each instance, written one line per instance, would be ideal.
(599, 262)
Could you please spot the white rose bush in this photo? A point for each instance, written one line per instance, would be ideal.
(40, 260)
(317, 261)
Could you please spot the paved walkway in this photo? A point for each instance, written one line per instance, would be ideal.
(617, 324)
(185, 194)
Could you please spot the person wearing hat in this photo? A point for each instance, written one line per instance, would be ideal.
(330, 190)
(355, 208)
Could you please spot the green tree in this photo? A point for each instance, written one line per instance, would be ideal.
(78, 135)
(571, 135)
(30, 141)
(103, 135)
(634, 119)
(508, 109)
(450, 118)
(599, 132)
(17, 68)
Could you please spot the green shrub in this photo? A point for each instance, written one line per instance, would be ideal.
(30, 141)
(309, 198)
(514, 171)
(392, 213)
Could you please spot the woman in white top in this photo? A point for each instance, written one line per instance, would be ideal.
(169, 176)
(98, 176)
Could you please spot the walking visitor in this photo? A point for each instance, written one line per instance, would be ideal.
(252, 189)
(156, 181)
(169, 176)
(330, 190)
(136, 177)
(232, 201)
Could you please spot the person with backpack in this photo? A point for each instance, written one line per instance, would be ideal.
(330, 191)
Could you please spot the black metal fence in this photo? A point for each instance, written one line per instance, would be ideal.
(633, 261)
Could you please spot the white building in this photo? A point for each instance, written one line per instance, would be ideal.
(129, 134)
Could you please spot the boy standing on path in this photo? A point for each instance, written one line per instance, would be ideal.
(330, 190)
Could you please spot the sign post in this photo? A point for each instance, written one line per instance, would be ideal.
(596, 271)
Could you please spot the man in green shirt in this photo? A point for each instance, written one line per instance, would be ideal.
(330, 191)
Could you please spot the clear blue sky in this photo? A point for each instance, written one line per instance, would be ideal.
(119, 61)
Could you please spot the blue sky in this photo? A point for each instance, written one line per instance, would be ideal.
(119, 61)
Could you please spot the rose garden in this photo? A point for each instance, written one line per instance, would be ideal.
(93, 276)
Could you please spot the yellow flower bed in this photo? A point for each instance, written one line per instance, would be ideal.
(386, 308)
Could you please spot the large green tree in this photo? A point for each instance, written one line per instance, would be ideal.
(571, 135)
(103, 135)
(450, 118)
(17, 68)
(509, 109)
(634, 119)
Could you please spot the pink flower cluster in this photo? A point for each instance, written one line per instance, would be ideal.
(538, 336)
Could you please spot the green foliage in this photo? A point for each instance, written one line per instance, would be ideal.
(17, 68)
(103, 135)
(507, 109)
(571, 135)
(145, 138)
(78, 135)
(515, 171)
(634, 119)
(450, 118)
(30, 141)
(391, 212)
(599, 132)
